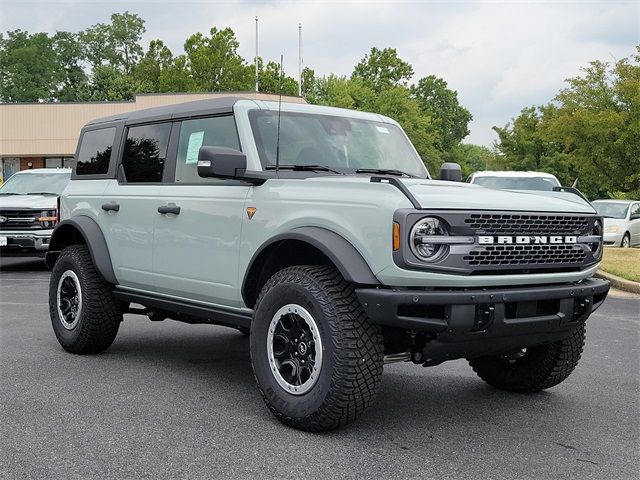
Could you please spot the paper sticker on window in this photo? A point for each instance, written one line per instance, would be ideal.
(382, 129)
(195, 142)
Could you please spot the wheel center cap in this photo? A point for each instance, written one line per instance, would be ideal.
(302, 348)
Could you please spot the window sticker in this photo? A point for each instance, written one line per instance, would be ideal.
(195, 142)
(382, 129)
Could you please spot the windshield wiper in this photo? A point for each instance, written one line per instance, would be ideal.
(42, 193)
(10, 193)
(384, 171)
(304, 168)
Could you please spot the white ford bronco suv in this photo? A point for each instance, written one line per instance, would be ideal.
(318, 232)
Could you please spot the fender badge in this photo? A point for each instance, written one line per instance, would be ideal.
(251, 211)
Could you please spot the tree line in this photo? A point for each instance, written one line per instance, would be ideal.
(589, 132)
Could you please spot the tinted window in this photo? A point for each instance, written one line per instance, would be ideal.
(217, 132)
(145, 152)
(95, 152)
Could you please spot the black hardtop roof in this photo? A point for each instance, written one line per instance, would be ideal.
(178, 110)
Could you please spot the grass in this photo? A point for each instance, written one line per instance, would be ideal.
(623, 262)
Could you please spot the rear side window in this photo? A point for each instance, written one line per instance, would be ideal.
(215, 131)
(95, 152)
(145, 152)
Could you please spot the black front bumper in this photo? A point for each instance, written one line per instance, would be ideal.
(484, 320)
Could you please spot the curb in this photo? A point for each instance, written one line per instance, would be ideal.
(619, 283)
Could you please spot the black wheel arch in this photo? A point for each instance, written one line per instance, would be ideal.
(82, 230)
(304, 246)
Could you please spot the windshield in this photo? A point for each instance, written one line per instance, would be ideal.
(611, 209)
(517, 183)
(35, 183)
(343, 144)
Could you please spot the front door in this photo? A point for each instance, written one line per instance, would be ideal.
(197, 240)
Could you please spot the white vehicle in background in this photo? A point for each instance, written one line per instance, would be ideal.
(29, 210)
(515, 180)
(621, 222)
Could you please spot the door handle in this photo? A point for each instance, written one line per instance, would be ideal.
(171, 208)
(111, 207)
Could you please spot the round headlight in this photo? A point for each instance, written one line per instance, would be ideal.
(422, 246)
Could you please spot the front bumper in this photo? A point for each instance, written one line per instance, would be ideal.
(23, 243)
(612, 239)
(480, 321)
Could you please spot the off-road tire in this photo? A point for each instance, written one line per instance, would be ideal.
(101, 314)
(626, 244)
(352, 349)
(541, 367)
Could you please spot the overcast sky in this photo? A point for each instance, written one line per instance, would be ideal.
(499, 56)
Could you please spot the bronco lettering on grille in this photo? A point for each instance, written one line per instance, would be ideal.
(525, 239)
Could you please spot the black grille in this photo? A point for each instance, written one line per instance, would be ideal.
(19, 219)
(525, 224)
(496, 255)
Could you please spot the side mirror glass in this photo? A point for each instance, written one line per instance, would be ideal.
(221, 162)
(451, 172)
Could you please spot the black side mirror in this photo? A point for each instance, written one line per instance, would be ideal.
(451, 172)
(221, 162)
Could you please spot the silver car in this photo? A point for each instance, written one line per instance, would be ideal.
(621, 222)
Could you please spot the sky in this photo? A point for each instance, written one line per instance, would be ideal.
(499, 56)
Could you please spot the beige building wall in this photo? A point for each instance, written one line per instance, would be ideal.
(51, 129)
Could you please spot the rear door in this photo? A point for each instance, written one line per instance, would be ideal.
(130, 204)
(196, 245)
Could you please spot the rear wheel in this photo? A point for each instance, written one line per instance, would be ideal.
(532, 369)
(626, 241)
(84, 313)
(316, 359)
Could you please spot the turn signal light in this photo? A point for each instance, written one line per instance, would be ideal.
(396, 236)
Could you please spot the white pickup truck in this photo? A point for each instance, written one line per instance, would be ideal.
(29, 210)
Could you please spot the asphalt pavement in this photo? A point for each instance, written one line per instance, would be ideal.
(170, 400)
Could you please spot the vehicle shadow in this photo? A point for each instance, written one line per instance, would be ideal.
(22, 264)
(411, 398)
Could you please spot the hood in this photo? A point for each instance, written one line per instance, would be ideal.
(44, 202)
(457, 195)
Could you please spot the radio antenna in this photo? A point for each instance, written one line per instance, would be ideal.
(279, 110)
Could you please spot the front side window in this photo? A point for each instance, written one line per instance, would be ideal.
(345, 144)
(95, 151)
(145, 152)
(215, 131)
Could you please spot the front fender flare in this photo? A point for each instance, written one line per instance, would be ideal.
(339, 250)
(66, 233)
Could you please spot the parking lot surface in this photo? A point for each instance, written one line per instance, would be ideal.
(170, 400)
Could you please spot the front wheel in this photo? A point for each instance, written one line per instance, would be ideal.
(84, 313)
(316, 359)
(626, 241)
(532, 369)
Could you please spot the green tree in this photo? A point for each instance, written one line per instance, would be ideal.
(214, 63)
(472, 158)
(116, 44)
(108, 84)
(269, 80)
(441, 104)
(70, 55)
(30, 69)
(381, 69)
(155, 63)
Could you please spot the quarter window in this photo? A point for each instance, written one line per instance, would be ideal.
(215, 131)
(95, 151)
(145, 152)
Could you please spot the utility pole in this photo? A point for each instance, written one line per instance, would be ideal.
(299, 59)
(256, 59)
